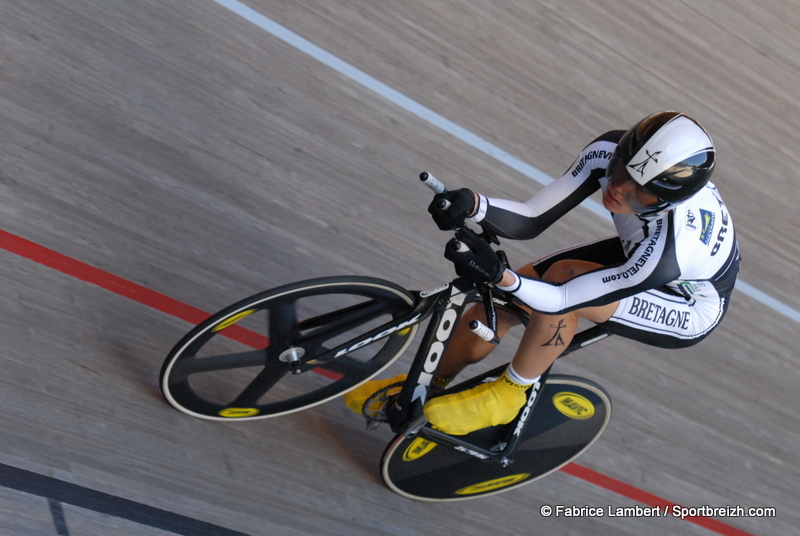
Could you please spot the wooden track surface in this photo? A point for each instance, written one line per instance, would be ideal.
(180, 147)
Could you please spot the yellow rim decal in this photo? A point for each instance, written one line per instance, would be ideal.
(417, 449)
(236, 413)
(491, 485)
(573, 406)
(232, 320)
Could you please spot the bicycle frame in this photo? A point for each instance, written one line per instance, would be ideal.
(445, 305)
(502, 452)
(446, 308)
(313, 335)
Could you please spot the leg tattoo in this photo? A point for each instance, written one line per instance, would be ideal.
(556, 339)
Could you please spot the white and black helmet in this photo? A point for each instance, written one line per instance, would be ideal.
(668, 154)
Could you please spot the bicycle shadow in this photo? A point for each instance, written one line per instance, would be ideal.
(347, 436)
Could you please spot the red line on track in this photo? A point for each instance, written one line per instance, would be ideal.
(643, 497)
(123, 287)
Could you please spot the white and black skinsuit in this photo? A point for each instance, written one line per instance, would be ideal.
(673, 271)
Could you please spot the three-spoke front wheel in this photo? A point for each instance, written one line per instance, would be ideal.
(241, 363)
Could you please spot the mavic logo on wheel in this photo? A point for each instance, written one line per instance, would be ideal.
(379, 336)
(436, 350)
(238, 413)
(491, 485)
(528, 406)
(574, 405)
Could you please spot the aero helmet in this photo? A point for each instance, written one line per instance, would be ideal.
(668, 154)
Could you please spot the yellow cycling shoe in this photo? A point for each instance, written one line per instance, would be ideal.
(489, 404)
(356, 398)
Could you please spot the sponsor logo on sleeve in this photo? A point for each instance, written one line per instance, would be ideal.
(690, 220)
(707, 221)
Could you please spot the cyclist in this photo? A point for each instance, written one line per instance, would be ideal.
(664, 280)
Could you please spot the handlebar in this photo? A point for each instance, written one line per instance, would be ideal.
(438, 187)
(487, 333)
(432, 182)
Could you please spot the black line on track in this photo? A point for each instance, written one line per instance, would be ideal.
(58, 492)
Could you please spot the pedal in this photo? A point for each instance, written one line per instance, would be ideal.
(374, 408)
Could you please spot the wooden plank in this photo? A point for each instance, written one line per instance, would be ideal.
(187, 151)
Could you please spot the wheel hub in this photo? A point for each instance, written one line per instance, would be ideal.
(292, 355)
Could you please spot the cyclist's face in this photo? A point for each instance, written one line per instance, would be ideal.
(623, 195)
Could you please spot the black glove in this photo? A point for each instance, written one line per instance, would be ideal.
(474, 258)
(451, 208)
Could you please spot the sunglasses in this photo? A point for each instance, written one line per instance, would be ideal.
(638, 198)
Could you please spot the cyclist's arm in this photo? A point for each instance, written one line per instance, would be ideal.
(525, 220)
(652, 264)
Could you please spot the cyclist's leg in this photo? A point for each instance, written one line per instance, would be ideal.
(545, 338)
(467, 348)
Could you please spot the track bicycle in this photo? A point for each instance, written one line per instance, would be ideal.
(296, 346)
